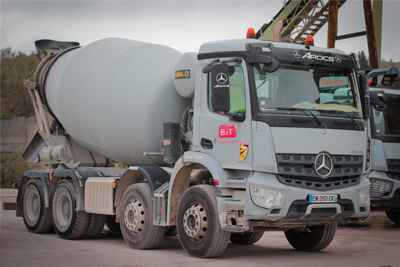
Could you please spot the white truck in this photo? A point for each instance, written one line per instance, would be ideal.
(243, 137)
(385, 141)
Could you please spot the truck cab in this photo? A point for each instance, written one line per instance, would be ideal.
(385, 141)
(281, 128)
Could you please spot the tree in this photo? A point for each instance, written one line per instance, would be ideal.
(364, 62)
(15, 66)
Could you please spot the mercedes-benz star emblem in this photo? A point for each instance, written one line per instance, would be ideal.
(338, 59)
(323, 165)
(296, 54)
(221, 78)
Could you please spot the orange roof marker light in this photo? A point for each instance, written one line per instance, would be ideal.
(310, 40)
(251, 33)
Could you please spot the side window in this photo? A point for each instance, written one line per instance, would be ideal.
(236, 90)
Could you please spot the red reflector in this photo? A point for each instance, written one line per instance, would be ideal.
(369, 82)
(251, 33)
(216, 182)
(309, 40)
(161, 210)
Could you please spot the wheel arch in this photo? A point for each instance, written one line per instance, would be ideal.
(155, 176)
(44, 176)
(180, 178)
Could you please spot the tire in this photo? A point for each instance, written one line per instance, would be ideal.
(112, 225)
(95, 226)
(394, 216)
(199, 230)
(136, 218)
(67, 222)
(37, 217)
(246, 238)
(315, 238)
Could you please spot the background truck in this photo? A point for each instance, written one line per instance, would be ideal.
(385, 141)
(244, 137)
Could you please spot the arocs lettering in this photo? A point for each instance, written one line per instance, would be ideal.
(318, 57)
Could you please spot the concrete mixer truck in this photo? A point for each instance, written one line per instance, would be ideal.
(243, 137)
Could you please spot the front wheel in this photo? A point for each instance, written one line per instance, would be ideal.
(313, 238)
(136, 218)
(199, 229)
(37, 217)
(394, 216)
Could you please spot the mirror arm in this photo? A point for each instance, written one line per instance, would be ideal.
(236, 117)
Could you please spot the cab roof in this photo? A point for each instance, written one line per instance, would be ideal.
(240, 45)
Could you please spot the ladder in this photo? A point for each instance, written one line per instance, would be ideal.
(300, 18)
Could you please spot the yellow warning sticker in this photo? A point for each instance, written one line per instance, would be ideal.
(244, 148)
(182, 74)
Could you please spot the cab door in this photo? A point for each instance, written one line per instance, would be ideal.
(227, 140)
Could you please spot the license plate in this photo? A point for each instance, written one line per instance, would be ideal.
(323, 198)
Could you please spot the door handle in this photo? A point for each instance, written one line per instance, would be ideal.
(206, 144)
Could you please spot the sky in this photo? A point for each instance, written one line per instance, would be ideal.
(183, 25)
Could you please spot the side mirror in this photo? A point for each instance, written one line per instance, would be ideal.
(364, 95)
(270, 64)
(378, 99)
(220, 96)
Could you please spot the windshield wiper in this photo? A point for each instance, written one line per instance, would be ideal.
(315, 117)
(308, 114)
(357, 126)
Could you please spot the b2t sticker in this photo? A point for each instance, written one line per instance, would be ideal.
(227, 131)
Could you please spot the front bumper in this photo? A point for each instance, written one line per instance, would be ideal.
(294, 208)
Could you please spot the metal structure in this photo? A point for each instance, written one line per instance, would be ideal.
(299, 18)
(307, 17)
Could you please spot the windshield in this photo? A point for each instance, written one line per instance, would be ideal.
(388, 122)
(327, 91)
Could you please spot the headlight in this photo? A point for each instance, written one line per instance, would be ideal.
(364, 196)
(266, 197)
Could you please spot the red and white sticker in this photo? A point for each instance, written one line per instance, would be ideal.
(227, 131)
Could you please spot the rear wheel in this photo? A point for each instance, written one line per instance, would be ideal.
(37, 217)
(313, 238)
(136, 218)
(246, 238)
(394, 216)
(68, 223)
(199, 230)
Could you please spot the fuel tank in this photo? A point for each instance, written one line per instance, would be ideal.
(113, 96)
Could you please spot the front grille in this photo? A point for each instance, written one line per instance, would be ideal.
(393, 168)
(380, 188)
(299, 170)
(319, 184)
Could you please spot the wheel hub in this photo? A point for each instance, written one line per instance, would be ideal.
(195, 222)
(66, 209)
(134, 217)
(35, 205)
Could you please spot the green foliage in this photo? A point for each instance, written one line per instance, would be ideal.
(364, 62)
(15, 66)
(13, 166)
